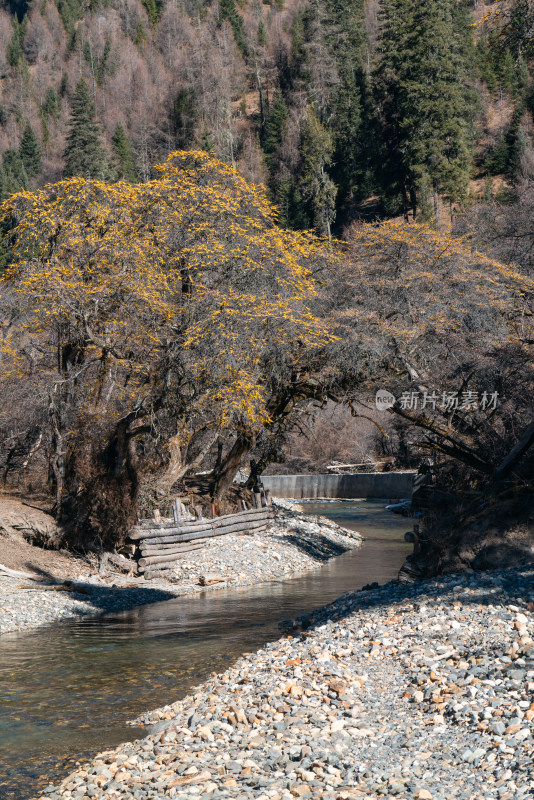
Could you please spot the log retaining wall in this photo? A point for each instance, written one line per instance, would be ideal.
(162, 544)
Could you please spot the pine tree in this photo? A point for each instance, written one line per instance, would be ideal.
(228, 10)
(316, 186)
(84, 154)
(425, 105)
(13, 176)
(14, 52)
(51, 104)
(327, 54)
(345, 39)
(69, 11)
(126, 169)
(30, 152)
(153, 9)
(273, 130)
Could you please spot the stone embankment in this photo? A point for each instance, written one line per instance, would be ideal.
(418, 692)
(294, 543)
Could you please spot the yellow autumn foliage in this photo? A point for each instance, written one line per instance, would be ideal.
(190, 266)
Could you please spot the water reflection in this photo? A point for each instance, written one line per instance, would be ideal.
(70, 688)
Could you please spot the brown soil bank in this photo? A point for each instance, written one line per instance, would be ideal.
(29, 537)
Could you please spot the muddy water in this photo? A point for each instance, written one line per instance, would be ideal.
(67, 690)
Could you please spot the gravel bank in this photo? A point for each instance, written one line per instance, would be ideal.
(421, 692)
(293, 544)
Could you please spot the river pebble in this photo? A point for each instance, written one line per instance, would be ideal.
(293, 543)
(423, 691)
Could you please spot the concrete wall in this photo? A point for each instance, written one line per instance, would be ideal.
(369, 484)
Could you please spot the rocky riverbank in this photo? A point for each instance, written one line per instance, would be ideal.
(294, 543)
(419, 692)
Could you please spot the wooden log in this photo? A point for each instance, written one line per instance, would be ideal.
(66, 586)
(145, 544)
(170, 528)
(257, 500)
(170, 525)
(247, 527)
(157, 515)
(207, 534)
(161, 550)
(165, 559)
(210, 578)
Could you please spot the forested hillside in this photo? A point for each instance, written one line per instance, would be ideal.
(342, 107)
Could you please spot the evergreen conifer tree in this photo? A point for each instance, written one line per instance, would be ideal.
(51, 106)
(315, 184)
(327, 53)
(228, 10)
(13, 176)
(273, 130)
(14, 51)
(84, 154)
(425, 105)
(30, 152)
(153, 10)
(126, 169)
(345, 40)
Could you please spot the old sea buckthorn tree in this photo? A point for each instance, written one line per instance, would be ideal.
(151, 317)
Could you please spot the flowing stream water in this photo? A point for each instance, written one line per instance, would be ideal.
(67, 690)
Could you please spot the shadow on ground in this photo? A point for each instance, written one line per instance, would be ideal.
(316, 545)
(104, 598)
(496, 588)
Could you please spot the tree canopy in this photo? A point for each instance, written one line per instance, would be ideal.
(178, 300)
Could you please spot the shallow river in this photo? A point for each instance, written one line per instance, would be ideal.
(68, 689)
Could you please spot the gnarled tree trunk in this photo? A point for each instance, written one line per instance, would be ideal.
(224, 473)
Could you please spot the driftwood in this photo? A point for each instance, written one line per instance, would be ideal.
(115, 560)
(122, 563)
(209, 579)
(66, 586)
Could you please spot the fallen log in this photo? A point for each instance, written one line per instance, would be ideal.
(140, 532)
(66, 586)
(117, 561)
(123, 564)
(207, 534)
(210, 578)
